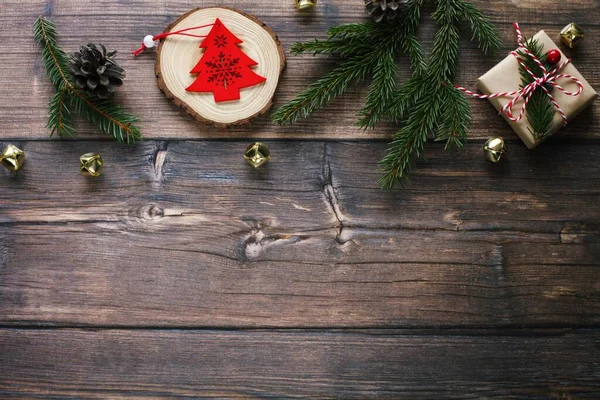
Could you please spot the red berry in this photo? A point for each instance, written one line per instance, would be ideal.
(553, 56)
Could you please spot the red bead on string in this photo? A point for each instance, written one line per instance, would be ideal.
(553, 56)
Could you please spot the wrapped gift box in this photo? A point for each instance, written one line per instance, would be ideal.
(506, 77)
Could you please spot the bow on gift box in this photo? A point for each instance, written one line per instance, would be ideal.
(525, 93)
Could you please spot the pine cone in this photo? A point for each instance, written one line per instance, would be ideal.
(96, 71)
(385, 9)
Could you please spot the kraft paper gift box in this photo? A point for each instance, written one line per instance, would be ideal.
(505, 77)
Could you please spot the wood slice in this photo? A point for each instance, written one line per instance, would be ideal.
(177, 55)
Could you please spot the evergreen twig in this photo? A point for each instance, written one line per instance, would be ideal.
(455, 119)
(484, 32)
(365, 48)
(109, 116)
(60, 118)
(436, 108)
(324, 90)
(381, 91)
(540, 110)
(409, 142)
(426, 104)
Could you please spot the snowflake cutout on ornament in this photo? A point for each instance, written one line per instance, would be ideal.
(223, 70)
(221, 41)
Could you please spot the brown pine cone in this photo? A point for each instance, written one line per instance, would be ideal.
(385, 10)
(96, 71)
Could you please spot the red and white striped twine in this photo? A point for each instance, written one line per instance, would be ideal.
(539, 81)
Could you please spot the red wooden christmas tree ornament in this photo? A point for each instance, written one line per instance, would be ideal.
(224, 68)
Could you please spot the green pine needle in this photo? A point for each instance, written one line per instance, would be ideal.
(381, 92)
(540, 110)
(484, 32)
(427, 105)
(323, 91)
(55, 60)
(437, 109)
(60, 120)
(108, 115)
(456, 118)
(348, 31)
(444, 55)
(365, 49)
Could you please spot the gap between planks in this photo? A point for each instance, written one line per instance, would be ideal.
(508, 331)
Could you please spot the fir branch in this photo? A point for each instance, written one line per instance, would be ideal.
(409, 142)
(381, 91)
(109, 116)
(439, 110)
(412, 47)
(455, 120)
(536, 49)
(484, 32)
(60, 119)
(405, 98)
(427, 103)
(341, 47)
(351, 39)
(540, 114)
(357, 30)
(409, 40)
(540, 110)
(364, 48)
(324, 90)
(341, 40)
(55, 60)
(446, 46)
(425, 114)
(315, 47)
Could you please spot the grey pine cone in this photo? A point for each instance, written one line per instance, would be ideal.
(387, 10)
(96, 71)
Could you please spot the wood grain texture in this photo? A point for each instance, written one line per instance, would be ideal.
(25, 90)
(195, 275)
(186, 234)
(70, 364)
(177, 56)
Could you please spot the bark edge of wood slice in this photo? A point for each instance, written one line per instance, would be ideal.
(259, 42)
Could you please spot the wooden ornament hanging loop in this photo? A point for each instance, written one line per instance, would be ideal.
(178, 58)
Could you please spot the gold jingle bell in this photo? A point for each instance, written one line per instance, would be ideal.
(571, 34)
(494, 149)
(257, 154)
(91, 164)
(305, 4)
(12, 158)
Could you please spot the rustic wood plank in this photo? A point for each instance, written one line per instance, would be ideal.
(225, 364)
(186, 234)
(24, 90)
(309, 186)
(117, 277)
(548, 190)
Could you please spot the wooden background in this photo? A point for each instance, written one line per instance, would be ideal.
(183, 272)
